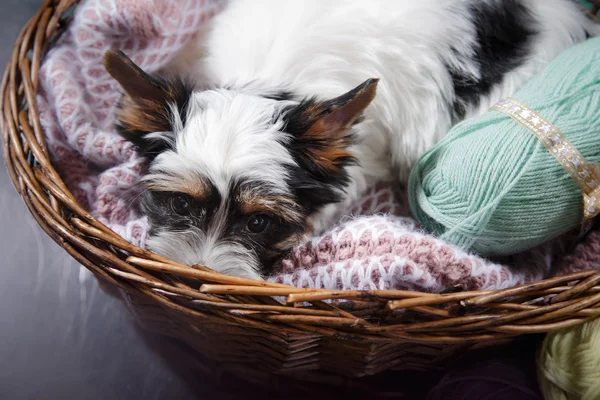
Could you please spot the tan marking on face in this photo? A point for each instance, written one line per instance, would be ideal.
(197, 188)
(252, 202)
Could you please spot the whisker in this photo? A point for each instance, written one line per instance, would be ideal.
(135, 198)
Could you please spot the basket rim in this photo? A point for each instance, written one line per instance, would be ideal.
(446, 317)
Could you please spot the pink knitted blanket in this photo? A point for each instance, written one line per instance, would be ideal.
(378, 246)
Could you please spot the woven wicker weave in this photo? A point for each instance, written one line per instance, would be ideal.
(257, 326)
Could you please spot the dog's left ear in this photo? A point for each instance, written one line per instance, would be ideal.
(323, 129)
(135, 82)
(148, 105)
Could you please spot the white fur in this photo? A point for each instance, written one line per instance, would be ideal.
(228, 135)
(196, 247)
(325, 48)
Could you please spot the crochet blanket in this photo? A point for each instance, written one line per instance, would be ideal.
(377, 246)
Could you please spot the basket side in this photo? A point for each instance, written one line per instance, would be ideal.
(264, 326)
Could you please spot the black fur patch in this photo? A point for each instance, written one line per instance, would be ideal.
(313, 185)
(158, 205)
(280, 95)
(263, 245)
(504, 31)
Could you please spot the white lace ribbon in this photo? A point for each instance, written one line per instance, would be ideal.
(586, 175)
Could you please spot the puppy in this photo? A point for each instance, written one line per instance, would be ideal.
(277, 126)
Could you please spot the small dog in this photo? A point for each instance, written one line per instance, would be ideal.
(275, 133)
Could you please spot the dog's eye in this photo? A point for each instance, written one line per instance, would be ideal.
(180, 204)
(257, 223)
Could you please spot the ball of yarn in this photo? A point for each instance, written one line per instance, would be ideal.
(491, 186)
(569, 363)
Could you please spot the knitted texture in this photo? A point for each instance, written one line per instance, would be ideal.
(377, 246)
(569, 363)
(492, 187)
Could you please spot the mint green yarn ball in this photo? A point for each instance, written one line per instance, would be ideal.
(491, 187)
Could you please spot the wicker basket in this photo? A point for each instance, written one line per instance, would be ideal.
(264, 328)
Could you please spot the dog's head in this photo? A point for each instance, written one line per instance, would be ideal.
(233, 176)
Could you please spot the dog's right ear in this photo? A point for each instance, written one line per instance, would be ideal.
(136, 83)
